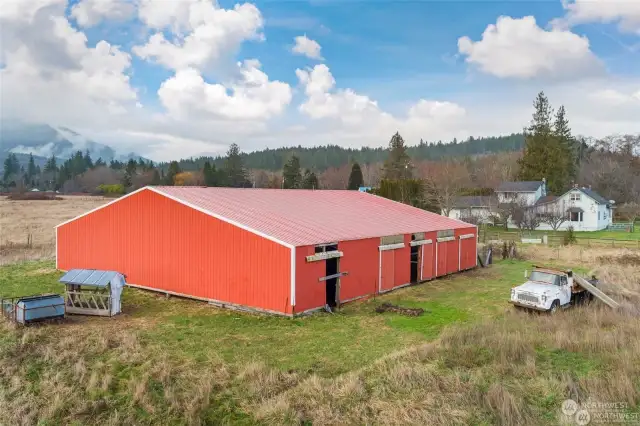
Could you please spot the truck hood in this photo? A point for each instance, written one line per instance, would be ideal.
(537, 288)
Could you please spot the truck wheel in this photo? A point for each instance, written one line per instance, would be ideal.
(554, 306)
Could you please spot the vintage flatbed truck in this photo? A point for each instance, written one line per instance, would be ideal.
(549, 289)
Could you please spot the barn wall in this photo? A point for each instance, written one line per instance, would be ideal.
(310, 293)
(468, 246)
(160, 243)
(361, 262)
(403, 263)
(429, 257)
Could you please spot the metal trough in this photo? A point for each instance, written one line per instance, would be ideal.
(30, 309)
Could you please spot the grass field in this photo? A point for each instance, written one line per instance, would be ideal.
(21, 219)
(469, 359)
(616, 235)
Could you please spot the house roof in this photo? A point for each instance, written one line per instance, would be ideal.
(546, 199)
(298, 217)
(468, 201)
(593, 194)
(521, 186)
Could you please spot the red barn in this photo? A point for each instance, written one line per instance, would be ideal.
(280, 251)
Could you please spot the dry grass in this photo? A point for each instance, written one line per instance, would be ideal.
(511, 369)
(19, 219)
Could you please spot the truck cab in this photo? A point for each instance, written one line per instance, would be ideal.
(548, 289)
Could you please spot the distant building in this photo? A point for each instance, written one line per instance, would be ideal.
(585, 209)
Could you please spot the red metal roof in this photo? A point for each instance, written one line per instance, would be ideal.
(300, 217)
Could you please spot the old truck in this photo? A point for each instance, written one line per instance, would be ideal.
(549, 289)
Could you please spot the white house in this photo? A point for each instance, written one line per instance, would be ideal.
(580, 207)
(473, 208)
(528, 192)
(585, 210)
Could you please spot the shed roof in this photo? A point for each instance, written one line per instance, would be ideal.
(520, 186)
(89, 277)
(298, 217)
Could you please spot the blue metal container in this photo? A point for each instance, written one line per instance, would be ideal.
(38, 308)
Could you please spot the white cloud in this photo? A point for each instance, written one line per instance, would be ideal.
(212, 33)
(614, 97)
(519, 48)
(50, 71)
(306, 47)
(88, 13)
(624, 12)
(253, 97)
(324, 102)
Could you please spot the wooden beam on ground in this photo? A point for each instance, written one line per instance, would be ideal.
(596, 292)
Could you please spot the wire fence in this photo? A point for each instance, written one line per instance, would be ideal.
(556, 239)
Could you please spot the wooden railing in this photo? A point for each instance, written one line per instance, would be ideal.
(88, 303)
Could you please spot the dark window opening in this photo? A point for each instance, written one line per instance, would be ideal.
(415, 259)
(332, 283)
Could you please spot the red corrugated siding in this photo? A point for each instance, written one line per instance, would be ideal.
(428, 261)
(162, 244)
(452, 256)
(402, 273)
(387, 271)
(468, 245)
(441, 267)
(360, 260)
(310, 293)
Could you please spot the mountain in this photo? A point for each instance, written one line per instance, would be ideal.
(43, 141)
(322, 157)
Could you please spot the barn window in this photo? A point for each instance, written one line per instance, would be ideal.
(445, 233)
(321, 248)
(418, 236)
(391, 239)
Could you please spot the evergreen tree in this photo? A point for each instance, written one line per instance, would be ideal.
(398, 164)
(31, 168)
(174, 169)
(355, 178)
(116, 165)
(11, 167)
(51, 166)
(156, 177)
(131, 167)
(99, 162)
(544, 154)
(291, 175)
(569, 147)
(310, 180)
(210, 174)
(87, 160)
(235, 175)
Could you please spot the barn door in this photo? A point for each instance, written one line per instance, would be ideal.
(426, 262)
(387, 270)
(467, 251)
(387, 273)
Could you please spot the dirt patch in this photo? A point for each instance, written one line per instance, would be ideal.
(389, 307)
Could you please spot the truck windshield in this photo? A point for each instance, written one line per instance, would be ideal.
(544, 277)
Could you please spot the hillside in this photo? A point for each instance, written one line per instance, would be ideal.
(323, 157)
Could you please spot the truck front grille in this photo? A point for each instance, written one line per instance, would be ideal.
(528, 298)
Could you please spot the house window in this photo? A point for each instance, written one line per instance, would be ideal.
(605, 215)
(574, 196)
(576, 216)
(598, 215)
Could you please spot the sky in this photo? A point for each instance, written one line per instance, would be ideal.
(178, 78)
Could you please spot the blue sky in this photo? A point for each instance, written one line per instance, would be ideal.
(426, 68)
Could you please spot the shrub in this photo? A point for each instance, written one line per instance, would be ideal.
(569, 237)
(114, 189)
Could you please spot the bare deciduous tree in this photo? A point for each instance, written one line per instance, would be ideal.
(444, 181)
(553, 214)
